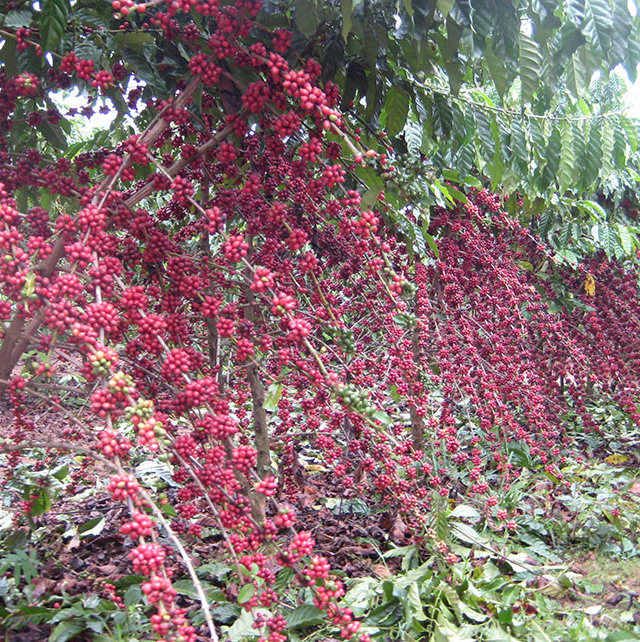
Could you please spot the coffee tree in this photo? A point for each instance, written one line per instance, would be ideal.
(246, 271)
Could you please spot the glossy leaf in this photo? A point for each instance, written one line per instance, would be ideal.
(483, 13)
(579, 147)
(18, 19)
(519, 146)
(497, 69)
(484, 136)
(592, 158)
(626, 239)
(347, 21)
(306, 16)
(619, 145)
(567, 158)
(598, 26)
(554, 147)
(608, 240)
(574, 10)
(622, 25)
(530, 64)
(607, 146)
(53, 23)
(443, 114)
(304, 615)
(413, 137)
(396, 108)
(579, 72)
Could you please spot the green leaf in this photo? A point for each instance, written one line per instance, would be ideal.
(538, 140)
(94, 526)
(305, 615)
(243, 627)
(619, 145)
(65, 631)
(168, 510)
(62, 472)
(443, 114)
(133, 595)
(566, 234)
(579, 148)
(449, 48)
(413, 137)
(632, 55)
(622, 24)
(575, 11)
(578, 71)
(369, 176)
(413, 604)
(621, 636)
(396, 107)
(465, 158)
(432, 244)
(483, 15)
(18, 19)
(530, 63)
(8, 56)
(54, 135)
(187, 587)
(631, 131)
(608, 240)
(592, 157)
(346, 7)
(370, 198)
(457, 195)
(53, 23)
(246, 593)
(484, 136)
(567, 158)
(387, 614)
(134, 40)
(401, 551)
(467, 533)
(497, 69)
(606, 131)
(284, 578)
(42, 504)
(569, 257)
(444, 6)
(383, 417)
(465, 511)
(626, 239)
(306, 16)
(592, 208)
(519, 147)
(87, 49)
(598, 26)
(505, 33)
(274, 394)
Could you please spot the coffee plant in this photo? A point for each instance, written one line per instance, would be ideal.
(244, 272)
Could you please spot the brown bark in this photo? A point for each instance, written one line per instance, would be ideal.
(417, 422)
(261, 440)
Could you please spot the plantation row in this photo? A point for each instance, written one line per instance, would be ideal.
(222, 287)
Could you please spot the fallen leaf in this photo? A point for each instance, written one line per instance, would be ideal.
(398, 530)
(381, 570)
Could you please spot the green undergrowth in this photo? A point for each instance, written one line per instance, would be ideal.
(570, 571)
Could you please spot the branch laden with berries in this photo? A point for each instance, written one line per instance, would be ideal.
(236, 299)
